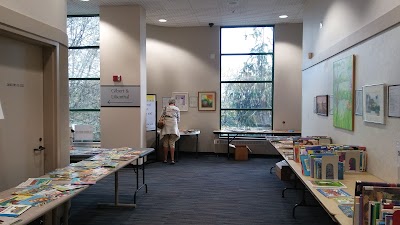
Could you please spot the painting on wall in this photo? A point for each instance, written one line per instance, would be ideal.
(374, 103)
(393, 101)
(343, 93)
(359, 103)
(322, 105)
(206, 101)
(181, 100)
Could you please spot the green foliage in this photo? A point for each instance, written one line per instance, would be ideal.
(251, 102)
(84, 63)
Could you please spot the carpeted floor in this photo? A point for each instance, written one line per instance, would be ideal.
(206, 190)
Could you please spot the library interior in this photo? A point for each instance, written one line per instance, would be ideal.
(200, 112)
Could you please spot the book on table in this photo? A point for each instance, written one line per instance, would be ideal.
(9, 220)
(344, 200)
(348, 210)
(327, 184)
(333, 192)
(14, 210)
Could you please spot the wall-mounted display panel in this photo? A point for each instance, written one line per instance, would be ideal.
(343, 89)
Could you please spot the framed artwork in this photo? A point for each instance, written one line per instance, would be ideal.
(321, 105)
(393, 100)
(359, 103)
(165, 101)
(343, 93)
(330, 104)
(315, 105)
(193, 101)
(182, 100)
(206, 101)
(374, 103)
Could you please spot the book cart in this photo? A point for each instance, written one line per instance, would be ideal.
(50, 209)
(329, 205)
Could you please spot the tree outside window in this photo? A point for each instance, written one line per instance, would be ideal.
(247, 77)
(84, 71)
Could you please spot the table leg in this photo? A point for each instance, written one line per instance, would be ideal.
(228, 145)
(116, 196)
(291, 188)
(137, 179)
(177, 149)
(302, 203)
(197, 144)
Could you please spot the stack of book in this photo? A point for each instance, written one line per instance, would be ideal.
(331, 161)
(376, 203)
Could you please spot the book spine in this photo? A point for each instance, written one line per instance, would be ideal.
(356, 215)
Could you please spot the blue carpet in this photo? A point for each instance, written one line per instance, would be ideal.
(206, 190)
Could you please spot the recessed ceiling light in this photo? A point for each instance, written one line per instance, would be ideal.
(162, 20)
(85, 0)
(283, 16)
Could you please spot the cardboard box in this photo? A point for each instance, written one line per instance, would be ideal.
(283, 171)
(242, 152)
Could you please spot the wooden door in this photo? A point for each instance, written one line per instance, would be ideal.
(21, 97)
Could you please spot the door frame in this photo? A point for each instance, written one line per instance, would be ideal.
(55, 96)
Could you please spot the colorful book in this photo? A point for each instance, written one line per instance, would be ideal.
(327, 184)
(344, 200)
(375, 194)
(36, 200)
(9, 221)
(33, 190)
(14, 210)
(347, 210)
(34, 182)
(333, 192)
(8, 201)
(81, 181)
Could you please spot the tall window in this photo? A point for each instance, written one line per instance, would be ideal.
(84, 71)
(247, 56)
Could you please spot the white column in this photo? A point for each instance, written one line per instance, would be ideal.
(123, 53)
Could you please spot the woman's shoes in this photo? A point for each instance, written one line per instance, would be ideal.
(172, 162)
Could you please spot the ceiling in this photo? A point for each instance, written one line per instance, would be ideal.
(190, 13)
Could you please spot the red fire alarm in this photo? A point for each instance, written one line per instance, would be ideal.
(117, 78)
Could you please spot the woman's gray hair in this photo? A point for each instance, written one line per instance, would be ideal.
(171, 101)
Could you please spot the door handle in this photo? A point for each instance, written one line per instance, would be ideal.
(41, 148)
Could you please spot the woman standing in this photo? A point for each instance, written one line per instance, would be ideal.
(170, 132)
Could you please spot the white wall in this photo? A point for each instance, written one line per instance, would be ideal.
(51, 12)
(376, 62)
(123, 52)
(340, 18)
(287, 76)
(178, 59)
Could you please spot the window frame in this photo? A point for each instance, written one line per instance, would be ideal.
(248, 82)
(79, 79)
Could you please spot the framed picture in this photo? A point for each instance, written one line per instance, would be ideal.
(343, 93)
(206, 101)
(359, 103)
(393, 100)
(315, 105)
(182, 100)
(322, 105)
(193, 101)
(165, 101)
(374, 103)
(330, 104)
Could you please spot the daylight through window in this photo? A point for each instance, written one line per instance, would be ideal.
(247, 59)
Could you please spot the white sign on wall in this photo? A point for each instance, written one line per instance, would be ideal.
(151, 113)
(120, 96)
(83, 133)
(1, 113)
